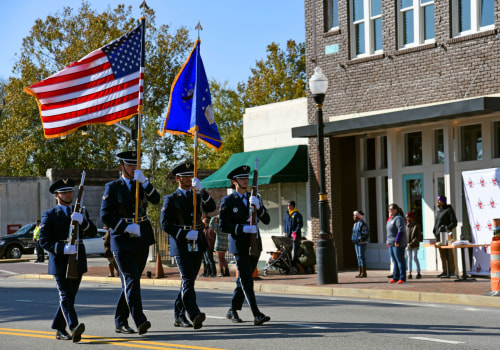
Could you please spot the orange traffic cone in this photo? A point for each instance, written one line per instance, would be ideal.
(159, 267)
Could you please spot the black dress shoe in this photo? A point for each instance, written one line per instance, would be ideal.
(77, 332)
(443, 274)
(233, 316)
(198, 320)
(143, 328)
(182, 321)
(258, 320)
(63, 335)
(124, 329)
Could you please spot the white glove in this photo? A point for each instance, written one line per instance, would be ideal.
(70, 249)
(196, 183)
(133, 230)
(77, 217)
(250, 228)
(192, 235)
(255, 201)
(139, 176)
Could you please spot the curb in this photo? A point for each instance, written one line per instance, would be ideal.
(416, 297)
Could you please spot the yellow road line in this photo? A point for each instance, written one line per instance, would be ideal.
(126, 342)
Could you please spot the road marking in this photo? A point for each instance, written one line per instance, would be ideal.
(126, 342)
(8, 272)
(438, 340)
(307, 326)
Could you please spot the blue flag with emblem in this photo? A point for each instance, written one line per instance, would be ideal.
(190, 106)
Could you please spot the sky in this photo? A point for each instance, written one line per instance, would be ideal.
(235, 32)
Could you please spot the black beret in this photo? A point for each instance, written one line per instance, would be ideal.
(240, 172)
(128, 157)
(62, 185)
(183, 169)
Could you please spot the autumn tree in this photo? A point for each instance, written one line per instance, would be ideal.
(280, 77)
(54, 43)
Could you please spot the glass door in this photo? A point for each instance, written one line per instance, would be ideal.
(413, 189)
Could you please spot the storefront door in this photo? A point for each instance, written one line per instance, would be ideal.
(413, 189)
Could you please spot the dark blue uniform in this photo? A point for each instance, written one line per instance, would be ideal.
(117, 212)
(234, 214)
(54, 231)
(177, 221)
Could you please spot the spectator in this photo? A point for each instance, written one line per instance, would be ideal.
(293, 224)
(221, 245)
(414, 232)
(40, 253)
(108, 254)
(446, 221)
(396, 241)
(208, 256)
(360, 235)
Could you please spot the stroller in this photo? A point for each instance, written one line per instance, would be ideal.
(281, 259)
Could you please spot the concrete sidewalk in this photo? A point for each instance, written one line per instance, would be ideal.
(429, 289)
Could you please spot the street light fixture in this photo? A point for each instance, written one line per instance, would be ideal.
(326, 256)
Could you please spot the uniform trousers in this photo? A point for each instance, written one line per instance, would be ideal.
(131, 266)
(189, 266)
(66, 314)
(246, 265)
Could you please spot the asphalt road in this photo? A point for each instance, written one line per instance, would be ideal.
(298, 322)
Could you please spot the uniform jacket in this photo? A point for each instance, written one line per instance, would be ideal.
(234, 214)
(118, 204)
(445, 217)
(177, 220)
(293, 223)
(54, 232)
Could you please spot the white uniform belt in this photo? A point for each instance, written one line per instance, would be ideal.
(132, 220)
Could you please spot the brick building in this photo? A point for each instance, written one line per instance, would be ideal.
(413, 100)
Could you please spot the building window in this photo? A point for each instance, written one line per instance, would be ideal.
(472, 16)
(370, 154)
(413, 148)
(366, 26)
(416, 22)
(383, 152)
(471, 142)
(438, 146)
(332, 14)
(496, 139)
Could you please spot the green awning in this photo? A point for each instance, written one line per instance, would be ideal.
(284, 164)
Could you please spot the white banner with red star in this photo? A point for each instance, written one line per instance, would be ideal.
(482, 193)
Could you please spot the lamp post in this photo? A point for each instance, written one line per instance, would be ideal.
(326, 256)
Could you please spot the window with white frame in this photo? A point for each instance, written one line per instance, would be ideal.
(366, 27)
(415, 22)
(332, 15)
(472, 16)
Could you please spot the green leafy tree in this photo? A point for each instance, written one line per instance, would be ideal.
(281, 77)
(55, 42)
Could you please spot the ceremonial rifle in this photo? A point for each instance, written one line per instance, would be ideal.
(254, 247)
(73, 238)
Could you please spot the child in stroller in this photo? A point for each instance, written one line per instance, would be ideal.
(281, 259)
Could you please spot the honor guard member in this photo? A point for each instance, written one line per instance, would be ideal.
(234, 219)
(186, 244)
(129, 241)
(54, 231)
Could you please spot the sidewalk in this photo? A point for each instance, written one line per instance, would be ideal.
(429, 289)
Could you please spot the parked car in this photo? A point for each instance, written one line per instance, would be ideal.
(95, 245)
(20, 242)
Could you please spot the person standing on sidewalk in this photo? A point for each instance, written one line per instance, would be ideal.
(293, 224)
(208, 257)
(396, 241)
(414, 232)
(360, 235)
(187, 245)
(130, 241)
(221, 242)
(446, 221)
(54, 231)
(234, 219)
(40, 254)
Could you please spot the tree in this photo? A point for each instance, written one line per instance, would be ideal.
(281, 77)
(55, 42)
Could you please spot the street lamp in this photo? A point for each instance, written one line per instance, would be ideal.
(326, 256)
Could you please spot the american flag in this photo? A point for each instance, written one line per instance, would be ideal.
(104, 87)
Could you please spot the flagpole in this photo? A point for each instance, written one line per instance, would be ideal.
(195, 175)
(139, 121)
